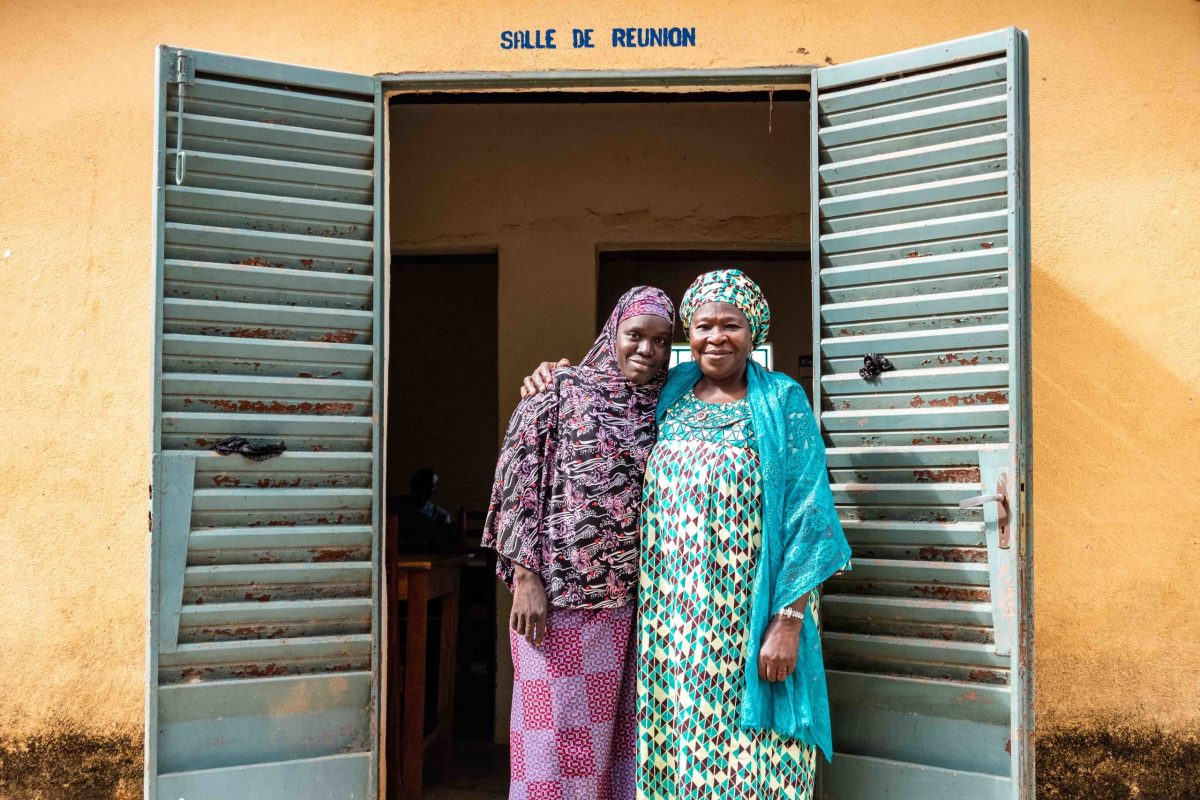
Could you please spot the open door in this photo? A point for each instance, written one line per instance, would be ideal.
(263, 657)
(921, 237)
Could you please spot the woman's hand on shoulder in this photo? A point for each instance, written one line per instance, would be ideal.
(530, 608)
(541, 378)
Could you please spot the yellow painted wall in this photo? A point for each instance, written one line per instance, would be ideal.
(1116, 204)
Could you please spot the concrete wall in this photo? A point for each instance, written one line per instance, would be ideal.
(1116, 196)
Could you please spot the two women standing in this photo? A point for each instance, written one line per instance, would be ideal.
(737, 531)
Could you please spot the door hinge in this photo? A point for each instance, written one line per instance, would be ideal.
(183, 68)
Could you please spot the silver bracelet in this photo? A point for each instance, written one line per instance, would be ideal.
(790, 613)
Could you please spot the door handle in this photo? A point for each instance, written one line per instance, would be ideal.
(1000, 498)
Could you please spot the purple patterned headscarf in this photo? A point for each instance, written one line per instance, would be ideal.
(568, 488)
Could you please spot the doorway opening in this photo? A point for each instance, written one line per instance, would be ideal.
(573, 198)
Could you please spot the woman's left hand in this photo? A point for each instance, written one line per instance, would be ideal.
(780, 646)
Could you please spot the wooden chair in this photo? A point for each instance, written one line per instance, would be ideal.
(413, 583)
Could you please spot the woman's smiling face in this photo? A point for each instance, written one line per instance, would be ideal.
(643, 346)
(721, 340)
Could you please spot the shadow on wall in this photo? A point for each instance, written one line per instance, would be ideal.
(1113, 564)
(1116, 538)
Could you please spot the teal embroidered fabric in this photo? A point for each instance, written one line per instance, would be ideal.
(715, 423)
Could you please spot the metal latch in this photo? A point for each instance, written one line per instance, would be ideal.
(1001, 499)
(183, 74)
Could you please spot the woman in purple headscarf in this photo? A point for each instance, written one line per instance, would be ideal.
(563, 519)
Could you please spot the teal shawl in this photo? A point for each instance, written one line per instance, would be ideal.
(802, 545)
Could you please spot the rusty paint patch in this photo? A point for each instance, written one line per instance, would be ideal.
(250, 333)
(986, 245)
(280, 407)
(950, 475)
(980, 398)
(277, 483)
(954, 593)
(256, 261)
(259, 670)
(323, 554)
(306, 262)
(225, 480)
(338, 337)
(960, 555)
(226, 631)
(955, 358)
(261, 598)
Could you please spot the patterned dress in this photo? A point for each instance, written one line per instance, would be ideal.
(701, 528)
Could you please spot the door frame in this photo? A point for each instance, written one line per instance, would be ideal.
(684, 81)
(651, 81)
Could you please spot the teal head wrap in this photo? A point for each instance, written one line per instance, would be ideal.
(733, 287)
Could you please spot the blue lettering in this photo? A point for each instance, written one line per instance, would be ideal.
(506, 40)
(550, 39)
(656, 37)
(676, 37)
(618, 35)
(581, 37)
(689, 37)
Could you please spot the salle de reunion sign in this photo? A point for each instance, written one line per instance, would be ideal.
(586, 38)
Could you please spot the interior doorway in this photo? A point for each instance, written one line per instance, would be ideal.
(576, 197)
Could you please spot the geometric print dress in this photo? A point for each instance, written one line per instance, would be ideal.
(701, 530)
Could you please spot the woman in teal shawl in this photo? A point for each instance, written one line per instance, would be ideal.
(738, 530)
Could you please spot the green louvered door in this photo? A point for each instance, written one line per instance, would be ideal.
(921, 241)
(264, 623)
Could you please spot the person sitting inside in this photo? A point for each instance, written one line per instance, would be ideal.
(422, 525)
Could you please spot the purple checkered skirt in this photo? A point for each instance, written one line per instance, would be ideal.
(574, 713)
